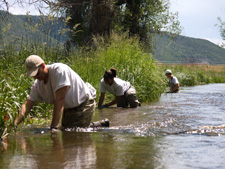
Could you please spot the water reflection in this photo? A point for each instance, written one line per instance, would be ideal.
(79, 150)
(57, 150)
(73, 150)
(184, 130)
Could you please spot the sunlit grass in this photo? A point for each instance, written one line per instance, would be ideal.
(119, 51)
(195, 74)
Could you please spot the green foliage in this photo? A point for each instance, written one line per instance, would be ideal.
(120, 51)
(15, 86)
(147, 16)
(142, 18)
(190, 75)
(181, 50)
(221, 25)
(127, 56)
(20, 30)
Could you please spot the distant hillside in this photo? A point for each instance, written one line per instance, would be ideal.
(20, 29)
(50, 27)
(187, 50)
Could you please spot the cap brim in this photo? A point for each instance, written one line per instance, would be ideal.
(32, 73)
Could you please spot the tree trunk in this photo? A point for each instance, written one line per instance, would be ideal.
(134, 9)
(102, 12)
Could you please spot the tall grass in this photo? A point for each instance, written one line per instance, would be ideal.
(127, 56)
(195, 74)
(14, 86)
(120, 51)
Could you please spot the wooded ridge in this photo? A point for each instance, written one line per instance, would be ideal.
(21, 29)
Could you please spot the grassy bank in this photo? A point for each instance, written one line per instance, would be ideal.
(196, 74)
(119, 51)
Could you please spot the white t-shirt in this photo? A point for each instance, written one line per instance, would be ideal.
(118, 87)
(173, 80)
(60, 75)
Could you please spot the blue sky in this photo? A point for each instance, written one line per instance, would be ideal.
(197, 17)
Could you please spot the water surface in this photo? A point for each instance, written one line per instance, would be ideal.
(180, 131)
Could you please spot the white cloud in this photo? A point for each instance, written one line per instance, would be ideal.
(24, 7)
(198, 17)
(218, 42)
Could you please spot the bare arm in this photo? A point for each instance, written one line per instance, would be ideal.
(175, 88)
(117, 99)
(23, 112)
(101, 99)
(58, 105)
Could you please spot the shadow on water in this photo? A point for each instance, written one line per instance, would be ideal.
(171, 133)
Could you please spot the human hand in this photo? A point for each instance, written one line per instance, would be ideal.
(103, 106)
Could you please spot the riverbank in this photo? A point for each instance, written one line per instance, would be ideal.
(196, 74)
(125, 54)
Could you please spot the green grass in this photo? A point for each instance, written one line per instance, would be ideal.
(196, 74)
(118, 51)
(125, 54)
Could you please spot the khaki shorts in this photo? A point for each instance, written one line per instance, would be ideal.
(80, 116)
(129, 98)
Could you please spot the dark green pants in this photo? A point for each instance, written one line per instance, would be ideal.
(129, 98)
(79, 116)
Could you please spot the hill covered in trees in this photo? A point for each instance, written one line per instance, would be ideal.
(183, 49)
(19, 30)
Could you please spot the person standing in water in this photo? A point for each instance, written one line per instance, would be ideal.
(173, 82)
(124, 92)
(58, 84)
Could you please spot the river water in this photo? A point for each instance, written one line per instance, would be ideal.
(183, 130)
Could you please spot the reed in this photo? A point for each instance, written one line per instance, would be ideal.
(128, 57)
(14, 87)
(120, 51)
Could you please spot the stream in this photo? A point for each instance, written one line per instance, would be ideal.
(182, 130)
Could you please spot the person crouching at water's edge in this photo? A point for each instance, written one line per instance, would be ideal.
(173, 82)
(59, 85)
(124, 92)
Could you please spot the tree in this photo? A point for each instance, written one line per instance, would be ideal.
(100, 17)
(148, 16)
(221, 25)
(138, 17)
(93, 16)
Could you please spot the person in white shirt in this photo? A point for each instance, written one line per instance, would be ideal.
(124, 92)
(59, 85)
(173, 82)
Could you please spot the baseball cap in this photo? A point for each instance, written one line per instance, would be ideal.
(32, 62)
(168, 71)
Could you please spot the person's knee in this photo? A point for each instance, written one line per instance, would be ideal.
(133, 101)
